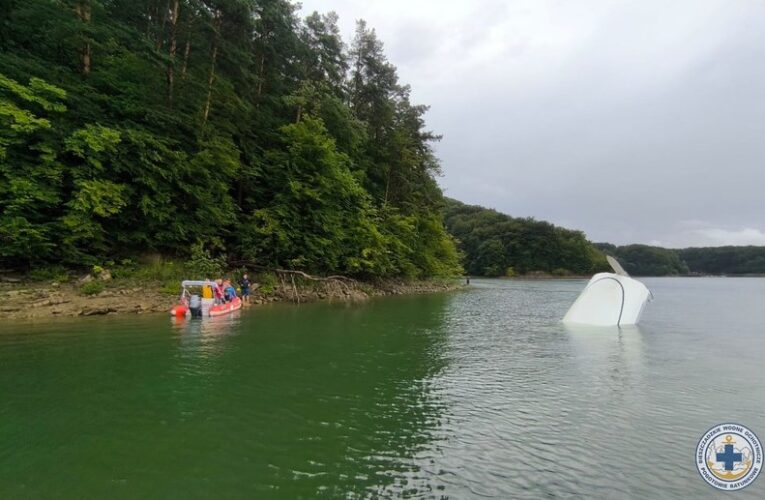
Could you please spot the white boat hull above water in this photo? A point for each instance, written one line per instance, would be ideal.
(609, 300)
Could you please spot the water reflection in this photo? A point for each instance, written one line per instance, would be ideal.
(524, 395)
(364, 400)
(204, 335)
(607, 350)
(323, 400)
(610, 360)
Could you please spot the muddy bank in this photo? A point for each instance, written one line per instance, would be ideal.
(50, 300)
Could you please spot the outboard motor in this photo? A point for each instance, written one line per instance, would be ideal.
(195, 306)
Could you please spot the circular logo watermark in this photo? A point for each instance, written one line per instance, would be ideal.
(729, 457)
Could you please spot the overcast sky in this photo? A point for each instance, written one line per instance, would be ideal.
(636, 122)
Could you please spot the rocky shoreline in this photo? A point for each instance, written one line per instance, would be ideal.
(32, 301)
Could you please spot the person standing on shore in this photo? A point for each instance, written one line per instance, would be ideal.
(244, 284)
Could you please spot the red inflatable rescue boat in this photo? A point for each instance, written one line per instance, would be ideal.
(195, 306)
(225, 308)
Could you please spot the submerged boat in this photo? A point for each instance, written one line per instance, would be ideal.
(610, 299)
(201, 304)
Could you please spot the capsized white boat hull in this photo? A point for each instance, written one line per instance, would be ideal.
(609, 300)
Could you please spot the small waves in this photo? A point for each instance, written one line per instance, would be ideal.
(480, 394)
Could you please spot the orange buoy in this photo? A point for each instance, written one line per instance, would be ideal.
(179, 311)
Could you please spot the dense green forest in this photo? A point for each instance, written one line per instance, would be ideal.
(132, 126)
(644, 260)
(495, 244)
(725, 260)
(241, 129)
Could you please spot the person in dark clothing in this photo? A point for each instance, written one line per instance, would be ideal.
(244, 284)
(195, 306)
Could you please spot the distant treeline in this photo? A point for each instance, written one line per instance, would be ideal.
(495, 244)
(645, 260)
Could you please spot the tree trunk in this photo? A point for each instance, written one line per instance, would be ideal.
(171, 51)
(213, 58)
(148, 20)
(210, 81)
(151, 21)
(151, 14)
(185, 59)
(387, 187)
(86, 59)
(84, 13)
(162, 26)
(260, 72)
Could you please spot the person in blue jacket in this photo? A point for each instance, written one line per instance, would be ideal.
(229, 291)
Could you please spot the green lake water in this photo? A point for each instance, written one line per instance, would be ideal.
(478, 393)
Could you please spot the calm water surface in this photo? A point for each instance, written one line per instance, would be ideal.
(481, 393)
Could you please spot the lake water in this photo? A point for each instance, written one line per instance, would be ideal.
(478, 393)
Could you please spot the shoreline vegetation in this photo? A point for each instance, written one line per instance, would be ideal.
(39, 300)
(89, 295)
(55, 292)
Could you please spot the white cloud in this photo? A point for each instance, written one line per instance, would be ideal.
(698, 233)
(715, 236)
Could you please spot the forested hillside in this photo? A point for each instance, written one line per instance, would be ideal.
(725, 260)
(644, 260)
(495, 244)
(131, 126)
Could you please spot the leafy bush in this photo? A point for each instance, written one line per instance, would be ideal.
(92, 288)
(268, 283)
(126, 268)
(50, 273)
(170, 288)
(202, 264)
(160, 270)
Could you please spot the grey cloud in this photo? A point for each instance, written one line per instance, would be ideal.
(621, 119)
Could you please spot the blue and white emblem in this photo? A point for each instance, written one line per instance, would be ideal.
(729, 457)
